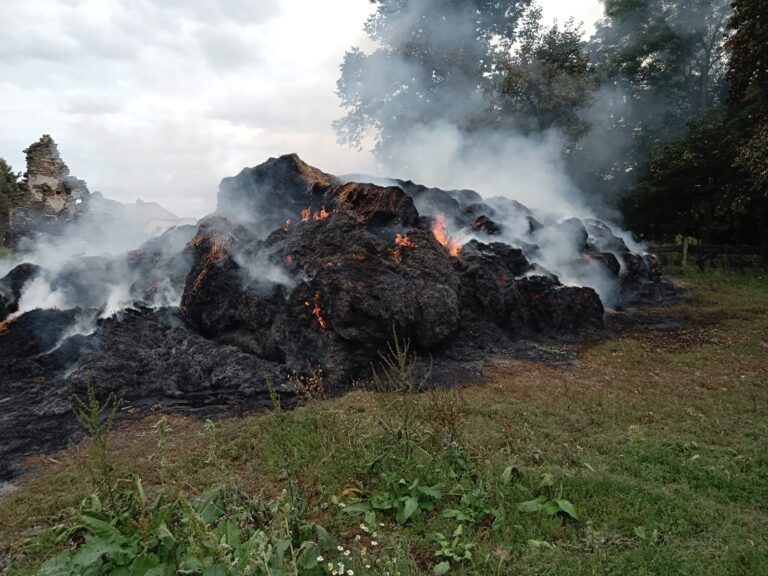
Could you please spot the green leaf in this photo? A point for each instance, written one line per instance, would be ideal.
(161, 570)
(432, 491)
(550, 508)
(540, 544)
(144, 563)
(567, 507)
(441, 568)
(308, 554)
(357, 508)
(381, 502)
(140, 492)
(59, 565)
(207, 506)
(229, 533)
(190, 565)
(93, 549)
(409, 508)
(532, 505)
(281, 547)
(216, 570)
(100, 528)
(322, 535)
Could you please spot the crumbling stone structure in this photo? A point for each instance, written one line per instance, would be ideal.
(48, 197)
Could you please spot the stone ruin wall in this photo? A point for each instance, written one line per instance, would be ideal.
(48, 196)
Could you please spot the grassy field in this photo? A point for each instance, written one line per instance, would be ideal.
(647, 455)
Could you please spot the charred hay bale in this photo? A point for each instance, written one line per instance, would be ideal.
(33, 333)
(488, 273)
(485, 224)
(374, 205)
(546, 308)
(221, 300)
(363, 306)
(606, 260)
(273, 191)
(12, 285)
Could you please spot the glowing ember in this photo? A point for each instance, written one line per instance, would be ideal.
(5, 323)
(288, 259)
(287, 225)
(307, 214)
(316, 311)
(438, 231)
(404, 241)
(321, 215)
(358, 257)
(401, 242)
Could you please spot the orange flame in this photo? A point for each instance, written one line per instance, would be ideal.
(307, 214)
(401, 242)
(287, 225)
(289, 259)
(405, 241)
(321, 215)
(316, 311)
(449, 243)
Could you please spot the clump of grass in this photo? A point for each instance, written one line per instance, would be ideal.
(397, 385)
(89, 412)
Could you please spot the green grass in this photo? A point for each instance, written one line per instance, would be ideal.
(657, 438)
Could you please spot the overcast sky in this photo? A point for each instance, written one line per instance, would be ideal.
(160, 99)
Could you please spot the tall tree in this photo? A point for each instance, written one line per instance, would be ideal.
(748, 75)
(547, 78)
(693, 187)
(661, 64)
(671, 52)
(8, 188)
(435, 60)
(713, 182)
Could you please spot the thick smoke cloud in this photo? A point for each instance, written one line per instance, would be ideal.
(437, 133)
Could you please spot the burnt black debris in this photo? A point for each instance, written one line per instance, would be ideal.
(298, 270)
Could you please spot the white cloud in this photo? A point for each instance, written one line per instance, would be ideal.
(161, 99)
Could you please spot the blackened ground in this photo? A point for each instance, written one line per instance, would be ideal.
(148, 358)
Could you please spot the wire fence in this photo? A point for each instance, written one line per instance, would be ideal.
(712, 255)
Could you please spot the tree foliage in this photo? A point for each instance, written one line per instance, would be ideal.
(748, 74)
(692, 187)
(672, 53)
(713, 182)
(547, 79)
(435, 60)
(8, 188)
(665, 108)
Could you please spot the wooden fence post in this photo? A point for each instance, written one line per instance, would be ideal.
(685, 251)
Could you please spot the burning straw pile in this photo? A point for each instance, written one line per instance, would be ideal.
(297, 271)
